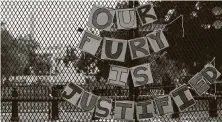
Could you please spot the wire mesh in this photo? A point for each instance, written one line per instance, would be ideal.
(39, 56)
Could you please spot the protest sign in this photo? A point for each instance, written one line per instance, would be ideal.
(145, 110)
(157, 40)
(114, 49)
(72, 93)
(124, 110)
(103, 108)
(141, 75)
(210, 73)
(90, 43)
(146, 14)
(163, 105)
(88, 102)
(126, 18)
(139, 47)
(199, 84)
(182, 97)
(101, 18)
(118, 75)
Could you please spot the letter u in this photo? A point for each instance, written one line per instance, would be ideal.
(126, 18)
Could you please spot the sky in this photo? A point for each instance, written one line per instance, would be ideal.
(51, 23)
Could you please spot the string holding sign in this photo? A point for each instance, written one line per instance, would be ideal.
(215, 84)
(102, 18)
(174, 21)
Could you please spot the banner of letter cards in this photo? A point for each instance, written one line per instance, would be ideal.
(115, 49)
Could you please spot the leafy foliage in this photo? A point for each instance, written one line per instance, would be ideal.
(70, 55)
(16, 54)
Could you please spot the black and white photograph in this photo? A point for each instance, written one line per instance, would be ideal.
(111, 61)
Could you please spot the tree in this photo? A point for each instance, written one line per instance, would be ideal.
(70, 55)
(15, 53)
(28, 45)
(42, 64)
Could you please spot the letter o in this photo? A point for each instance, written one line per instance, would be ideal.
(95, 15)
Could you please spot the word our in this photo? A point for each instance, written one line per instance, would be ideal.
(102, 18)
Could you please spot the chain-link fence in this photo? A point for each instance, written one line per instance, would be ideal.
(39, 57)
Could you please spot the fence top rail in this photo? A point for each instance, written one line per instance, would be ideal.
(48, 99)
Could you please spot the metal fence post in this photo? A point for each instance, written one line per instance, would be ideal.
(212, 103)
(167, 83)
(132, 34)
(55, 108)
(213, 107)
(15, 117)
